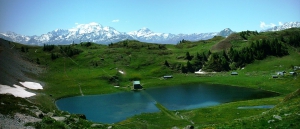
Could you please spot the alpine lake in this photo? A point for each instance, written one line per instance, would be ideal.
(113, 108)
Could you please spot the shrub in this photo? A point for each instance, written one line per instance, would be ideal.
(135, 76)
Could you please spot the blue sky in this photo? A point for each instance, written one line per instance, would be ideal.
(36, 17)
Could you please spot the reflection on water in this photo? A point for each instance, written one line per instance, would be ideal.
(116, 107)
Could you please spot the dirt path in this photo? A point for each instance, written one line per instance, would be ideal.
(79, 86)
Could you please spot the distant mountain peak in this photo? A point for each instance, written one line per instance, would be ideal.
(58, 31)
(225, 32)
(227, 29)
(141, 32)
(87, 28)
(144, 29)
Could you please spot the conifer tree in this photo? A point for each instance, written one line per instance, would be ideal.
(37, 60)
(166, 63)
(189, 67)
(22, 49)
(188, 56)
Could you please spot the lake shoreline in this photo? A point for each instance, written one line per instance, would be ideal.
(178, 97)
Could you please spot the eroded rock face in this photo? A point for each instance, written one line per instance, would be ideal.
(17, 121)
(25, 119)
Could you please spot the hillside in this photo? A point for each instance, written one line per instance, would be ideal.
(89, 68)
(15, 67)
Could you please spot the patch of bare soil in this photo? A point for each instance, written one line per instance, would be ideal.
(225, 44)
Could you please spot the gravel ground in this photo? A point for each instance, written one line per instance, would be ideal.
(16, 122)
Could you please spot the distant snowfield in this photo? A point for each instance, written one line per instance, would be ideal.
(19, 91)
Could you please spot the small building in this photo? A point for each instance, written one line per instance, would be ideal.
(137, 85)
(296, 68)
(281, 73)
(168, 76)
(293, 73)
(234, 73)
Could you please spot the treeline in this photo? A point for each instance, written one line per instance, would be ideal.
(134, 44)
(193, 62)
(24, 49)
(257, 50)
(185, 43)
(86, 44)
(48, 47)
(54, 56)
(69, 51)
(291, 37)
(66, 51)
(245, 34)
(235, 58)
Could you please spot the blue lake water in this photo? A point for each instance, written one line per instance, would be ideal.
(112, 108)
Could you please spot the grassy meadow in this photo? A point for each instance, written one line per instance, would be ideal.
(96, 70)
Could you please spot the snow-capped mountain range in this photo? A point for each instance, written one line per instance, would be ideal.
(95, 32)
(286, 25)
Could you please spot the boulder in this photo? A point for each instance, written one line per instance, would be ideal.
(59, 118)
(50, 114)
(277, 117)
(189, 127)
(96, 125)
(82, 116)
(175, 127)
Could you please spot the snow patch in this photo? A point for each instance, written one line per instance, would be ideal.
(121, 72)
(16, 91)
(19, 91)
(32, 85)
(200, 72)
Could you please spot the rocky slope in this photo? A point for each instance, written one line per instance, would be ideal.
(14, 66)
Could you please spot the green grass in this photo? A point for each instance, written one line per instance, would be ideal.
(65, 76)
(284, 115)
(92, 81)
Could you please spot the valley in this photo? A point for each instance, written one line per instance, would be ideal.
(88, 68)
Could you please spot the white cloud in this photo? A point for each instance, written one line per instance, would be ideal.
(263, 25)
(76, 23)
(280, 23)
(117, 20)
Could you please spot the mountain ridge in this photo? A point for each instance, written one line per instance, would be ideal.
(284, 26)
(95, 32)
